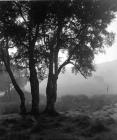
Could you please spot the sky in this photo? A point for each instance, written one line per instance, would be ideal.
(110, 52)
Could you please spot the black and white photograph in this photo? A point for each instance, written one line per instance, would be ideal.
(58, 70)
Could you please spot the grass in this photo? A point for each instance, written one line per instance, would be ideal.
(80, 103)
(77, 127)
(58, 128)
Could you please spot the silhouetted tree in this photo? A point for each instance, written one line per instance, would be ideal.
(79, 28)
(4, 46)
(24, 30)
(33, 15)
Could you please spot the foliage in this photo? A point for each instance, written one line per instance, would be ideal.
(81, 31)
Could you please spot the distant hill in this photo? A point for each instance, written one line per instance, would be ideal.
(103, 81)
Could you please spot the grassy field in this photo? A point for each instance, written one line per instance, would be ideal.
(9, 103)
(81, 118)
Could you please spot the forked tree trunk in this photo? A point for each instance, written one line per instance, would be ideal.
(51, 90)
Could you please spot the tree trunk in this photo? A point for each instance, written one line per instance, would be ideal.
(34, 90)
(34, 83)
(51, 93)
(6, 60)
(17, 88)
(51, 90)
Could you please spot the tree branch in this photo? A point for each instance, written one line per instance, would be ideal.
(70, 56)
(58, 34)
(36, 34)
(21, 14)
(62, 65)
(78, 69)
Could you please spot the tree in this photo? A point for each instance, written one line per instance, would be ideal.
(24, 29)
(4, 46)
(78, 27)
(33, 15)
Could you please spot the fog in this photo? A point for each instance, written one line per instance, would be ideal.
(102, 81)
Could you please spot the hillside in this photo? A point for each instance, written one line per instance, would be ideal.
(103, 81)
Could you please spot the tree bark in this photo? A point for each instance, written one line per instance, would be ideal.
(19, 91)
(51, 96)
(34, 83)
(16, 86)
(34, 89)
(51, 90)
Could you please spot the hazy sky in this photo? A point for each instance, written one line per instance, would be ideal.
(111, 52)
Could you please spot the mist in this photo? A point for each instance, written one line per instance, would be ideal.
(102, 81)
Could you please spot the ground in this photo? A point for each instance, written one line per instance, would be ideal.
(71, 125)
